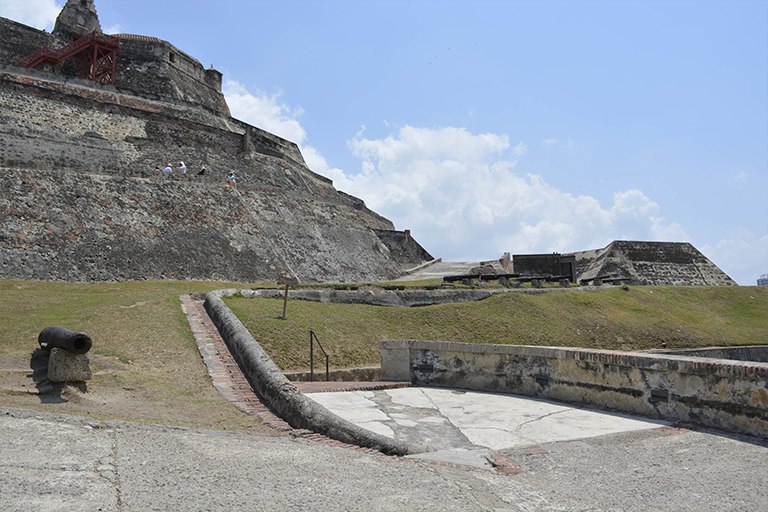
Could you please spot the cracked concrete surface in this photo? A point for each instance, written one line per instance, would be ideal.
(465, 426)
(65, 463)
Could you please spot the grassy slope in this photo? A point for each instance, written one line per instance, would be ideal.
(612, 318)
(146, 363)
(148, 367)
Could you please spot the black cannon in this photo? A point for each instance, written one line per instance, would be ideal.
(60, 337)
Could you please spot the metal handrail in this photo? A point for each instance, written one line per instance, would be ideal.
(312, 338)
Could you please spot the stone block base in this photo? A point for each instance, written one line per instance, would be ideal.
(64, 366)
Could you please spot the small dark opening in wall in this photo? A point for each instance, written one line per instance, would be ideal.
(659, 395)
(172, 57)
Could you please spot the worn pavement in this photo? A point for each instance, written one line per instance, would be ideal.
(466, 427)
(51, 462)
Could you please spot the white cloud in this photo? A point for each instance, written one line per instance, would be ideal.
(264, 111)
(460, 195)
(520, 150)
(552, 142)
(459, 192)
(739, 179)
(741, 254)
(40, 14)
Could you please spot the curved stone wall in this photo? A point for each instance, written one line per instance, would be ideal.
(280, 394)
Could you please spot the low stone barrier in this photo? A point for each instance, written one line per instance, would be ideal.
(380, 297)
(758, 353)
(279, 394)
(728, 395)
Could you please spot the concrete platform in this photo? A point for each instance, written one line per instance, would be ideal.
(465, 427)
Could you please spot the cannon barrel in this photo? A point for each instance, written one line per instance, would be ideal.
(61, 337)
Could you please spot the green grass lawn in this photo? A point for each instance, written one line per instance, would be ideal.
(146, 363)
(621, 318)
(148, 368)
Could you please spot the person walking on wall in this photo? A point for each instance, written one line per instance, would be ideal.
(231, 180)
(182, 169)
(168, 168)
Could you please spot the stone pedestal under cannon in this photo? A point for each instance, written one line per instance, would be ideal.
(68, 360)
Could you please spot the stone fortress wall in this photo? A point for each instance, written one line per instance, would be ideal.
(403, 247)
(80, 200)
(175, 75)
(148, 67)
(650, 263)
(724, 394)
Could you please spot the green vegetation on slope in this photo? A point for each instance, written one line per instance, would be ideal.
(146, 363)
(148, 368)
(618, 318)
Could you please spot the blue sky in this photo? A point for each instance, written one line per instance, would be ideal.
(493, 126)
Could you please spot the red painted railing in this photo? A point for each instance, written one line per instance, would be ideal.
(96, 51)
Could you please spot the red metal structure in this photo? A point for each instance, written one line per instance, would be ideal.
(96, 54)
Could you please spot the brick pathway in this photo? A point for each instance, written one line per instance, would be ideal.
(225, 373)
(231, 384)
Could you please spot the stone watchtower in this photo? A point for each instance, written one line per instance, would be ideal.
(77, 18)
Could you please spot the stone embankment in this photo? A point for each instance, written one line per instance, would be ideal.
(80, 200)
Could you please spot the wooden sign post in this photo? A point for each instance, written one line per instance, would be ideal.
(288, 282)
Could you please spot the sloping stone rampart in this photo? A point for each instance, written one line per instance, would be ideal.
(403, 247)
(650, 263)
(155, 69)
(84, 227)
(81, 200)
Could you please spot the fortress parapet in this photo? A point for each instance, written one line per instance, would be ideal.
(146, 66)
(155, 69)
(87, 148)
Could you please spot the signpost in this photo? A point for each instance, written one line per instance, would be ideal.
(288, 282)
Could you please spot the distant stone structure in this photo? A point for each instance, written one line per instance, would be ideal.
(555, 264)
(76, 19)
(762, 280)
(403, 247)
(627, 262)
(80, 198)
(649, 263)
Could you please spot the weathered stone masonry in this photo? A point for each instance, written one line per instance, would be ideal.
(730, 395)
(79, 199)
